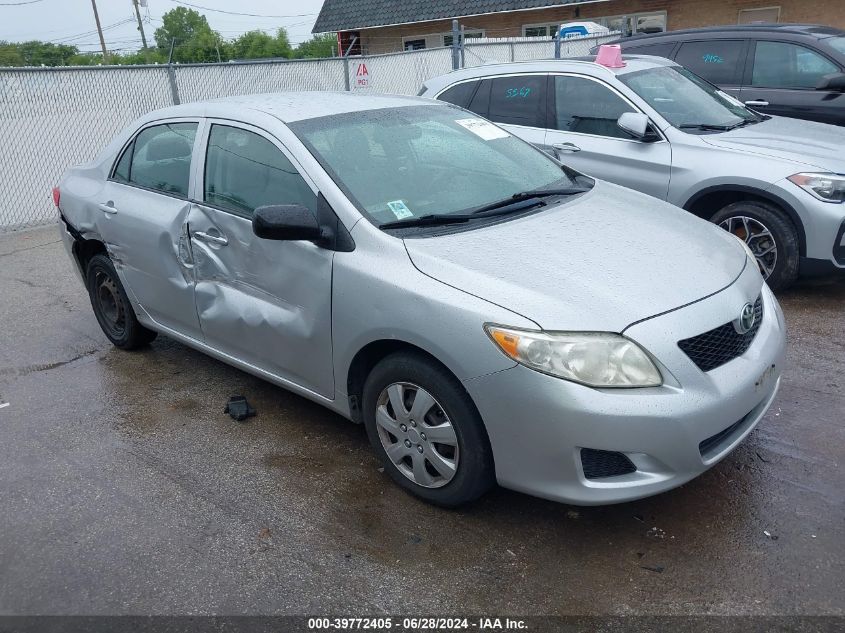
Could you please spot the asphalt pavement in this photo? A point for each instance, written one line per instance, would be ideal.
(125, 489)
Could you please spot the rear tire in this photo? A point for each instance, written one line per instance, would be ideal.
(437, 450)
(771, 236)
(112, 307)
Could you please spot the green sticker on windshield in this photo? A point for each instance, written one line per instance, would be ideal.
(400, 209)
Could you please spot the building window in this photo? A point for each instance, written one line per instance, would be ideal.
(447, 37)
(413, 45)
(540, 30)
(766, 14)
(654, 22)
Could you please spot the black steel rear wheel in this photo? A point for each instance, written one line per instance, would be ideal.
(112, 307)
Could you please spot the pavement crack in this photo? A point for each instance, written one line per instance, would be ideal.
(30, 369)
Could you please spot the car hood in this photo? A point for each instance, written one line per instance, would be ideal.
(601, 261)
(803, 142)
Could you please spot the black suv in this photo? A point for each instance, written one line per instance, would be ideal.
(794, 70)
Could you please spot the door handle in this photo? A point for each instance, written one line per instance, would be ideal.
(756, 104)
(219, 240)
(108, 207)
(566, 147)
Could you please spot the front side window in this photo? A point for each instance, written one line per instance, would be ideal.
(784, 65)
(244, 171)
(658, 50)
(402, 163)
(715, 60)
(686, 100)
(519, 100)
(588, 107)
(161, 158)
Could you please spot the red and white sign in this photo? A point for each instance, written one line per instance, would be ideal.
(362, 76)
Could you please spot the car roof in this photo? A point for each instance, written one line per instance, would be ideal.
(292, 106)
(817, 31)
(587, 64)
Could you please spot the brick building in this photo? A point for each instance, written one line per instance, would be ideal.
(380, 26)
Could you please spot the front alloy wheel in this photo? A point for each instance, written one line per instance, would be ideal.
(758, 238)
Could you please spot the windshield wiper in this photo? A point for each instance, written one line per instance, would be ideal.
(705, 126)
(523, 196)
(517, 202)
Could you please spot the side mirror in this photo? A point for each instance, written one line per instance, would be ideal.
(834, 82)
(635, 123)
(289, 222)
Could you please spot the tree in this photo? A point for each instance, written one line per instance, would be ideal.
(259, 45)
(194, 40)
(10, 55)
(318, 46)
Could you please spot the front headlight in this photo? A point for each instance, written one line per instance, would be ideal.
(596, 359)
(827, 187)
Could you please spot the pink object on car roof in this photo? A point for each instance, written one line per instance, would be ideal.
(610, 55)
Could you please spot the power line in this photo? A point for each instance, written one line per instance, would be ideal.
(250, 15)
(18, 4)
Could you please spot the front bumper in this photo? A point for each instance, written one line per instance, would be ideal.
(538, 424)
(823, 222)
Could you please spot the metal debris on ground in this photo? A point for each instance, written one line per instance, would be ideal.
(238, 408)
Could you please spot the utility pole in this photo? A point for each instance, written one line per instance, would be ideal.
(100, 31)
(140, 23)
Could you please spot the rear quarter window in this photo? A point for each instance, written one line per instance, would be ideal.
(658, 50)
(459, 94)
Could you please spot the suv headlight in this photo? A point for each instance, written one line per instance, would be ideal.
(596, 359)
(827, 187)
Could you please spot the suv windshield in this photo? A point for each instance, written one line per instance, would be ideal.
(686, 100)
(399, 164)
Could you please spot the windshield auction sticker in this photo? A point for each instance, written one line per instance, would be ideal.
(482, 128)
(400, 209)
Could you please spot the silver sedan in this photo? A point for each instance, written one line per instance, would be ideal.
(424, 272)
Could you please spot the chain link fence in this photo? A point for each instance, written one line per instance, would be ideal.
(51, 118)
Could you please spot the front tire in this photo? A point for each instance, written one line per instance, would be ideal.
(426, 430)
(770, 235)
(112, 307)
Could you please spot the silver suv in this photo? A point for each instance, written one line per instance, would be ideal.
(777, 183)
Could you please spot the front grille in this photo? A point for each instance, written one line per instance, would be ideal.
(714, 442)
(722, 344)
(600, 464)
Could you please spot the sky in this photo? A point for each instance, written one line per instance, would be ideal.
(72, 21)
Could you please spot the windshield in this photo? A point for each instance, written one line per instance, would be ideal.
(404, 163)
(838, 43)
(686, 100)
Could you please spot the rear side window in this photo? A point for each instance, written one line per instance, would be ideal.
(519, 100)
(588, 107)
(658, 50)
(459, 94)
(717, 61)
(161, 158)
(784, 65)
(244, 171)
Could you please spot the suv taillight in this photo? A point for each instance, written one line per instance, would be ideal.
(57, 196)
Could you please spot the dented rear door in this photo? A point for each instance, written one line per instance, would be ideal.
(141, 213)
(264, 302)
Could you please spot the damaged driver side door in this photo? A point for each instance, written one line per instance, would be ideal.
(263, 302)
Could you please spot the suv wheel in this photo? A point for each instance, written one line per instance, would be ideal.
(769, 234)
(426, 430)
(112, 308)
